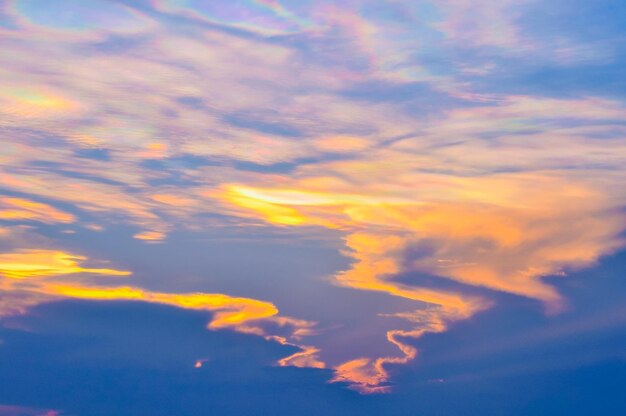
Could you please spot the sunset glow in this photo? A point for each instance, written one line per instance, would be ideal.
(371, 207)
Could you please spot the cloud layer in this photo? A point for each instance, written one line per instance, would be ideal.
(427, 139)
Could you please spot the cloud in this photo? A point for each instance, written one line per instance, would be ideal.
(94, 16)
(24, 209)
(31, 277)
(150, 236)
(27, 264)
(369, 126)
(499, 230)
(484, 23)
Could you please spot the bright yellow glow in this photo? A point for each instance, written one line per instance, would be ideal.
(35, 271)
(298, 197)
(270, 212)
(229, 311)
(27, 264)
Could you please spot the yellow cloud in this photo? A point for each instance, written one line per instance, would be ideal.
(32, 277)
(229, 311)
(42, 265)
(27, 264)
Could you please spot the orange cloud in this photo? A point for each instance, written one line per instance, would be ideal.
(307, 357)
(500, 231)
(150, 236)
(24, 209)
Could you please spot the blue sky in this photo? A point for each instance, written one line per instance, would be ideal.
(312, 207)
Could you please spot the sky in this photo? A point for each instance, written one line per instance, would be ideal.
(279, 207)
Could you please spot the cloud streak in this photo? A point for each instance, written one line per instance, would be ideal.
(31, 277)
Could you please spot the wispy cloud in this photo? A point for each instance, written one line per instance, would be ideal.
(31, 277)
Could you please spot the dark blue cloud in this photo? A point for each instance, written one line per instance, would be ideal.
(132, 359)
